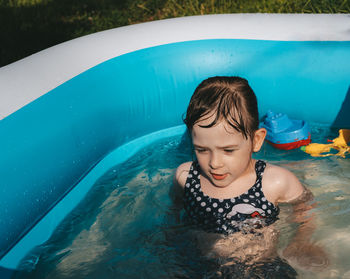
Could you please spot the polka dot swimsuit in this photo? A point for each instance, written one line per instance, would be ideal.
(243, 213)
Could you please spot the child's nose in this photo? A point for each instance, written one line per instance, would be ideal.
(215, 161)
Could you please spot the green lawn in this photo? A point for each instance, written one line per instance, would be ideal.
(28, 26)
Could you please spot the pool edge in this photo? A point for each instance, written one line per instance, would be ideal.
(44, 228)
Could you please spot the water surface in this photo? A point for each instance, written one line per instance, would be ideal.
(127, 226)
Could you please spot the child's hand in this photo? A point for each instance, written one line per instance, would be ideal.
(306, 255)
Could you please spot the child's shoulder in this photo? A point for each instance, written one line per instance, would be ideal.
(182, 173)
(280, 184)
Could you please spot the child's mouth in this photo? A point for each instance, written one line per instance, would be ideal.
(219, 176)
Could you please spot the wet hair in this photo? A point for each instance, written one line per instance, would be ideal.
(228, 98)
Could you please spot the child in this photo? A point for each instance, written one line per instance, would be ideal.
(225, 190)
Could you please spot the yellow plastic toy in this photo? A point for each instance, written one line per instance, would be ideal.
(340, 143)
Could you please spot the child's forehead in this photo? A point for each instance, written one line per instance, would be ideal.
(220, 129)
(217, 136)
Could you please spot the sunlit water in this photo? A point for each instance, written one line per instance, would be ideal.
(127, 226)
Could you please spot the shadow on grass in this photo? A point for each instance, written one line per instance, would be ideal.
(28, 26)
(27, 29)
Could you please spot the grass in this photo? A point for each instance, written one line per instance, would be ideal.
(28, 26)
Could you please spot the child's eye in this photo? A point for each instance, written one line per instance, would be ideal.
(200, 150)
(229, 150)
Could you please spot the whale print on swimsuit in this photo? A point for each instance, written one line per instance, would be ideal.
(127, 226)
(246, 212)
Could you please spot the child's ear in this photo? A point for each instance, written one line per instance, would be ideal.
(258, 140)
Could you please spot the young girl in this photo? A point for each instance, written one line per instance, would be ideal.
(225, 190)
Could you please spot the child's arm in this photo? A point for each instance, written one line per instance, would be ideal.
(281, 185)
(301, 249)
(179, 181)
(285, 187)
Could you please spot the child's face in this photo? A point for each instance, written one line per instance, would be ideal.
(223, 153)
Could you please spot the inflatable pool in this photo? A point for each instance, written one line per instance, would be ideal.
(71, 112)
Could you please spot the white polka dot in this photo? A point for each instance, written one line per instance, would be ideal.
(251, 196)
(192, 190)
(269, 211)
(233, 200)
(264, 206)
(199, 198)
(187, 185)
(257, 194)
(208, 209)
(246, 193)
(215, 205)
(203, 204)
(190, 175)
(263, 199)
(220, 210)
(245, 200)
(221, 200)
(197, 186)
(199, 176)
(195, 172)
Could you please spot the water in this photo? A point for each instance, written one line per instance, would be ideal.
(127, 226)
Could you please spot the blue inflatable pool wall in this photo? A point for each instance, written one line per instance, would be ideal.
(52, 148)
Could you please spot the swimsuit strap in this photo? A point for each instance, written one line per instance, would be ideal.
(193, 175)
(259, 169)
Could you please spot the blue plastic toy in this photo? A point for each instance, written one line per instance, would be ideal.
(285, 133)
